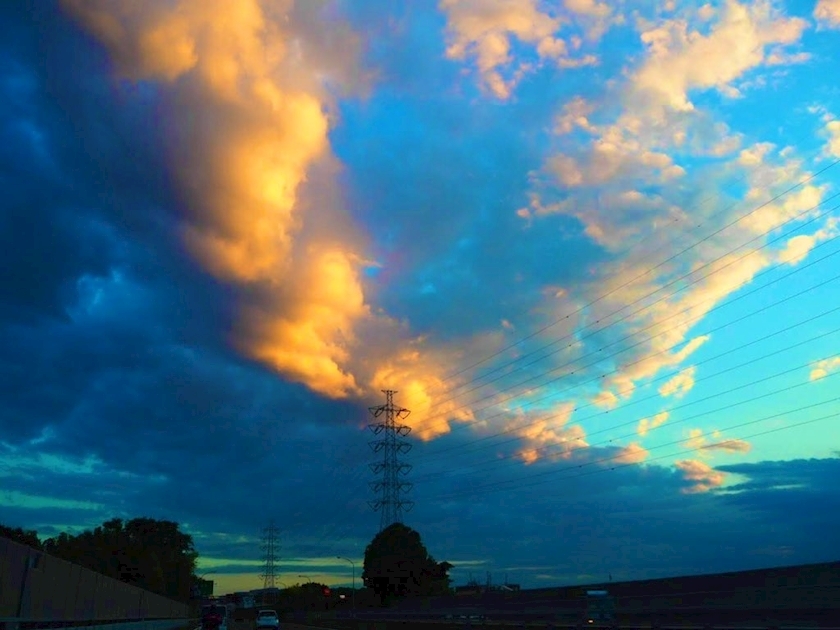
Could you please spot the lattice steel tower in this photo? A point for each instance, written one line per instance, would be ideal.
(270, 547)
(390, 487)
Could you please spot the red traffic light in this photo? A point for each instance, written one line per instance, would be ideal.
(326, 591)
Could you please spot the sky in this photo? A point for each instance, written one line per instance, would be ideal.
(592, 246)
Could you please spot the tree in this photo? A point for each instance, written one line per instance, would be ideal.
(23, 536)
(397, 565)
(148, 553)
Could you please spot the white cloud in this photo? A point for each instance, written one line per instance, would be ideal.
(735, 45)
(798, 247)
(832, 129)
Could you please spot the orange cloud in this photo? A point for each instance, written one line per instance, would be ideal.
(308, 338)
(680, 384)
(547, 435)
(483, 29)
(633, 453)
(244, 87)
(702, 476)
(416, 376)
(648, 424)
(823, 368)
(734, 45)
(832, 129)
(827, 13)
(699, 442)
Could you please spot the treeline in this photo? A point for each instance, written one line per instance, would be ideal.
(151, 554)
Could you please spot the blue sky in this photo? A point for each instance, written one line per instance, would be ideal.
(592, 246)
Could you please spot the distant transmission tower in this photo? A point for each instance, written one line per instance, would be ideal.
(270, 547)
(390, 487)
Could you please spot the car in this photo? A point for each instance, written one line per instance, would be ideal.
(214, 617)
(267, 619)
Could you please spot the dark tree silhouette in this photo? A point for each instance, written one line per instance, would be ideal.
(23, 536)
(154, 555)
(397, 564)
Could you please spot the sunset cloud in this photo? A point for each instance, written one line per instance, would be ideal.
(715, 441)
(484, 30)
(262, 212)
(700, 476)
(737, 42)
(548, 435)
(828, 13)
(823, 368)
(648, 424)
(680, 384)
(633, 453)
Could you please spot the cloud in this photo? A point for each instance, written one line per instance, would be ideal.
(548, 435)
(240, 169)
(619, 170)
(832, 129)
(680, 384)
(701, 476)
(633, 453)
(648, 424)
(258, 179)
(827, 12)
(700, 442)
(798, 247)
(730, 446)
(483, 29)
(734, 45)
(823, 368)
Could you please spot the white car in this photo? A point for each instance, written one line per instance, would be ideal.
(267, 619)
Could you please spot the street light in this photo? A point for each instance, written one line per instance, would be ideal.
(307, 577)
(353, 564)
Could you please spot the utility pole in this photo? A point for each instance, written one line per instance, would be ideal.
(270, 548)
(390, 487)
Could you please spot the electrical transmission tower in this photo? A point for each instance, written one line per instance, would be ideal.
(270, 549)
(390, 487)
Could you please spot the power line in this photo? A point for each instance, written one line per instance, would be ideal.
(463, 425)
(516, 483)
(776, 197)
(651, 269)
(496, 403)
(565, 449)
(766, 307)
